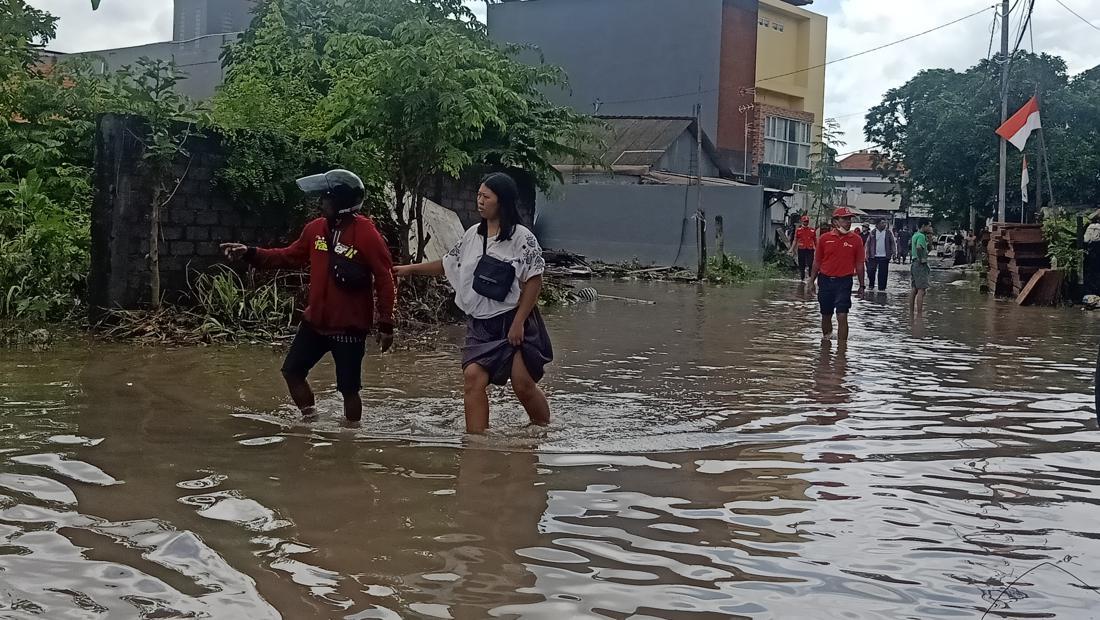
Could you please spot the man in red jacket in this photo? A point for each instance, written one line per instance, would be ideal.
(347, 257)
(840, 256)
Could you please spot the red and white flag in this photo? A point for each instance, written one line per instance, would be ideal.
(1018, 128)
(1025, 181)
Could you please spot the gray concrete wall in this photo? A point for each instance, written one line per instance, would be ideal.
(615, 223)
(198, 58)
(196, 18)
(656, 48)
(679, 155)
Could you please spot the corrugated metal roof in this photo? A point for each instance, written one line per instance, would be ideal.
(641, 141)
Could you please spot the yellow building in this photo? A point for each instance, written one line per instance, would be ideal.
(790, 95)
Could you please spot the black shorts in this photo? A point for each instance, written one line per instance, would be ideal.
(347, 352)
(834, 294)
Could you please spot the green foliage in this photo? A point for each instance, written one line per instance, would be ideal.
(46, 123)
(936, 133)
(24, 32)
(148, 89)
(261, 168)
(43, 251)
(229, 305)
(728, 269)
(1060, 233)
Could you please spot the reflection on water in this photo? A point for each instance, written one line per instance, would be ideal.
(710, 458)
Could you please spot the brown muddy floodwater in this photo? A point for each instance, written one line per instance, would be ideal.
(709, 458)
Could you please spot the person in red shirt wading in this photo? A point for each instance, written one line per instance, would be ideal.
(805, 241)
(347, 258)
(840, 256)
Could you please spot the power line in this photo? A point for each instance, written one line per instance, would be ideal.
(881, 47)
(1078, 15)
(822, 65)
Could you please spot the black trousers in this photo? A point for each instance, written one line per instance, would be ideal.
(879, 267)
(805, 261)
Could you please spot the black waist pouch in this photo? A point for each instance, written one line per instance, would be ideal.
(493, 277)
(348, 274)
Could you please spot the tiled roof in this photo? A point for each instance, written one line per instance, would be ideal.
(863, 160)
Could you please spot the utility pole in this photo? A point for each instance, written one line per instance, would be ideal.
(700, 215)
(1002, 187)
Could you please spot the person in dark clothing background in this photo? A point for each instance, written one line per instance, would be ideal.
(350, 268)
(881, 247)
(903, 237)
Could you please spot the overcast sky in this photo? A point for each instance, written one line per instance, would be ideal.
(854, 26)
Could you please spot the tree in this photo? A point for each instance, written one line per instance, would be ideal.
(148, 90)
(400, 90)
(936, 134)
(821, 179)
(24, 32)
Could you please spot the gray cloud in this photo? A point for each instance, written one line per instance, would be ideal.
(856, 25)
(117, 23)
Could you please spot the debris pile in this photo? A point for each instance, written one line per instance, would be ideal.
(1016, 253)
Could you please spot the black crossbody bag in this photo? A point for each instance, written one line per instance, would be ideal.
(349, 274)
(493, 277)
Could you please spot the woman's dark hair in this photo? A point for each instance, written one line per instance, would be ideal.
(923, 223)
(507, 198)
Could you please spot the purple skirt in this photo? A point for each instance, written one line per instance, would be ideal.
(487, 346)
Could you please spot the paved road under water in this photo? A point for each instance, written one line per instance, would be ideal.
(709, 458)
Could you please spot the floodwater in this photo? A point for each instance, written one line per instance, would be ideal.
(709, 458)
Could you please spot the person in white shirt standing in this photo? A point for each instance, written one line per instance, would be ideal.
(881, 247)
(496, 271)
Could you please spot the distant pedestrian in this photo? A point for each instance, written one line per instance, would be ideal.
(496, 271)
(805, 242)
(904, 237)
(881, 246)
(920, 270)
(841, 256)
(864, 232)
(971, 247)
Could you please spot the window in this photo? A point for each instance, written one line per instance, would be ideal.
(786, 142)
(765, 22)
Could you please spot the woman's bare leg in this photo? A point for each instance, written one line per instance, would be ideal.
(528, 392)
(475, 398)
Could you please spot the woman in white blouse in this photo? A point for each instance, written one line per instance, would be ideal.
(497, 329)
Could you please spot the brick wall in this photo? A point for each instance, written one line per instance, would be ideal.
(193, 224)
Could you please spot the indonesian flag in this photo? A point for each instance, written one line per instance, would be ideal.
(1018, 128)
(1025, 180)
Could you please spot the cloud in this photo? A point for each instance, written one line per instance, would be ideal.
(117, 23)
(856, 25)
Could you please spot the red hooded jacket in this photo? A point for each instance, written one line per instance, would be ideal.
(331, 309)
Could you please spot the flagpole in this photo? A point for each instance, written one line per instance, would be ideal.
(1025, 188)
(1046, 166)
(1003, 184)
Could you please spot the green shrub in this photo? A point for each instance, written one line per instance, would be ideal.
(44, 250)
(230, 304)
(1060, 232)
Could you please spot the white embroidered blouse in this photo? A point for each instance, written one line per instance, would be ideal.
(522, 250)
